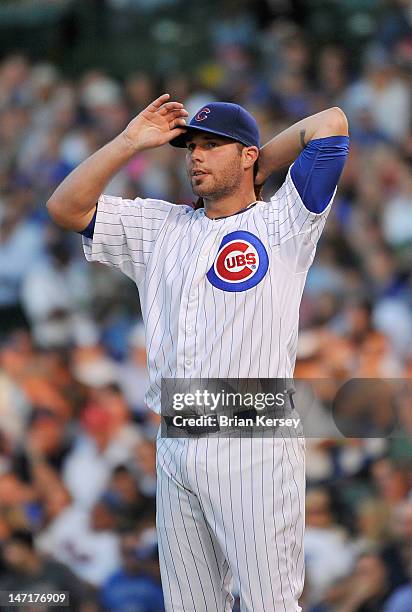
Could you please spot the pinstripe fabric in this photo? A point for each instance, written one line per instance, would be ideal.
(194, 329)
(230, 512)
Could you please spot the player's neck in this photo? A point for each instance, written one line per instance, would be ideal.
(229, 205)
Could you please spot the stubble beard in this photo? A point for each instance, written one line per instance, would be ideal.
(225, 184)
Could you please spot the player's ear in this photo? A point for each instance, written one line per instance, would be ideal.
(250, 155)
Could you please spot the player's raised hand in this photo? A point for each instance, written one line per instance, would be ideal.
(157, 124)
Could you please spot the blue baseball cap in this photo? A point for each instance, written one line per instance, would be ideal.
(224, 119)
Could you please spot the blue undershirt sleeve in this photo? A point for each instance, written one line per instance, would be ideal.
(89, 230)
(316, 172)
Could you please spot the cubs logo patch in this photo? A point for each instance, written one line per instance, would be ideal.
(240, 264)
(202, 115)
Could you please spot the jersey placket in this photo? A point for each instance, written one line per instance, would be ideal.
(192, 297)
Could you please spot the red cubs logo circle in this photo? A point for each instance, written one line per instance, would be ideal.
(202, 115)
(237, 261)
(241, 262)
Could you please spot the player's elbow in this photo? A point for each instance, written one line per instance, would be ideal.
(59, 212)
(337, 122)
(56, 211)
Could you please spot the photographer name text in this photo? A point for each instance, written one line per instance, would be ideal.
(234, 421)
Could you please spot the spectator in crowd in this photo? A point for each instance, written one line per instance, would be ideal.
(46, 441)
(107, 440)
(137, 583)
(327, 552)
(372, 523)
(124, 496)
(21, 243)
(55, 296)
(365, 589)
(392, 481)
(85, 541)
(382, 93)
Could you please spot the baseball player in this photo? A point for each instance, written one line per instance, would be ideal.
(220, 288)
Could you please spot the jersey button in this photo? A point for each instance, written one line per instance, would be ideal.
(192, 295)
(189, 328)
(188, 363)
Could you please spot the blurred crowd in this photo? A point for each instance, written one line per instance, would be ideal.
(77, 444)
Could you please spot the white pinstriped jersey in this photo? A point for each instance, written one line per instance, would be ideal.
(207, 316)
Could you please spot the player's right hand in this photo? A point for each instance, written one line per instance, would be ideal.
(156, 125)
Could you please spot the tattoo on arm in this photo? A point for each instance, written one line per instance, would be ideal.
(302, 138)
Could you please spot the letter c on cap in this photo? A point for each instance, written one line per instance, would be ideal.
(202, 115)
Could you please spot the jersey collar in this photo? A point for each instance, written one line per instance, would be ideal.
(251, 205)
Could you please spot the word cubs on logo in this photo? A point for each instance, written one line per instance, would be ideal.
(240, 264)
(202, 114)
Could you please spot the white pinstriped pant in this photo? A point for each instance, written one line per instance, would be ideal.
(230, 512)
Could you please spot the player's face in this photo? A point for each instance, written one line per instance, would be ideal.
(214, 165)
